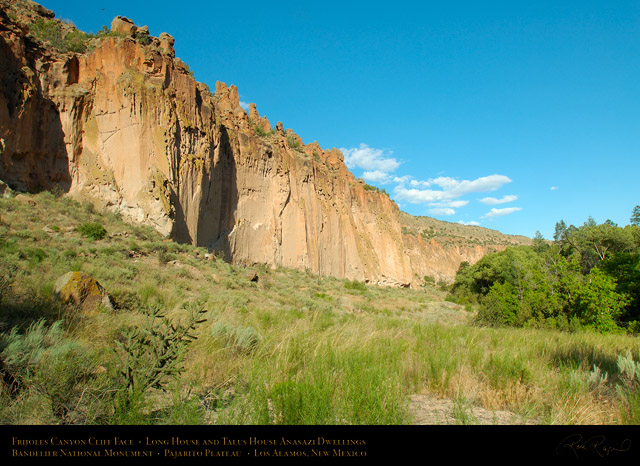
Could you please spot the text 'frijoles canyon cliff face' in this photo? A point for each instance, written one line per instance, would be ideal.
(120, 120)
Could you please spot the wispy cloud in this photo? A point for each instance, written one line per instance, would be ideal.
(369, 159)
(494, 201)
(442, 211)
(454, 204)
(244, 105)
(446, 207)
(376, 176)
(553, 188)
(450, 188)
(471, 223)
(500, 212)
(402, 179)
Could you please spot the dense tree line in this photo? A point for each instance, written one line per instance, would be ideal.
(588, 276)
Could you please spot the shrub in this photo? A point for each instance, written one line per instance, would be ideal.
(91, 230)
(629, 389)
(355, 285)
(243, 339)
(52, 32)
(164, 256)
(151, 355)
(35, 255)
(47, 364)
(294, 144)
(368, 187)
(259, 131)
(143, 39)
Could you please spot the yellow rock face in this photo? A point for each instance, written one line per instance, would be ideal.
(81, 289)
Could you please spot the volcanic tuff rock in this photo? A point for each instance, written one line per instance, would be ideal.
(83, 290)
(125, 123)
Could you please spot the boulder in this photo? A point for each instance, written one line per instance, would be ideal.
(123, 25)
(83, 290)
(25, 199)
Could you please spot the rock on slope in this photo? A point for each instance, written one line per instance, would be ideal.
(122, 121)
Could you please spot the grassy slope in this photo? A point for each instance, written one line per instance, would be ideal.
(290, 348)
(449, 233)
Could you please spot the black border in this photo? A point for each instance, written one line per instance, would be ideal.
(351, 443)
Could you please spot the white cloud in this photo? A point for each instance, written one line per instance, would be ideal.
(553, 188)
(479, 185)
(244, 105)
(416, 183)
(369, 159)
(451, 188)
(500, 212)
(455, 204)
(494, 201)
(417, 196)
(376, 176)
(442, 211)
(401, 179)
(471, 223)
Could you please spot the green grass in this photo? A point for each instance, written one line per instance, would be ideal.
(293, 348)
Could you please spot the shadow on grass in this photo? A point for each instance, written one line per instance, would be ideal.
(22, 310)
(584, 356)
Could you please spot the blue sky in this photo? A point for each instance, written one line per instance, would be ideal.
(512, 115)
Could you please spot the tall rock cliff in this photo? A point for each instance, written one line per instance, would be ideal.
(119, 119)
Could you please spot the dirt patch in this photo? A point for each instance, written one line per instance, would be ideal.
(428, 410)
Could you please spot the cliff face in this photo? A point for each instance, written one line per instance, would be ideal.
(125, 124)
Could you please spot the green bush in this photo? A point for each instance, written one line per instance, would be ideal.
(355, 285)
(91, 230)
(52, 32)
(259, 131)
(143, 39)
(294, 144)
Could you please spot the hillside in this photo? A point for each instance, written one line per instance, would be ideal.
(116, 118)
(436, 248)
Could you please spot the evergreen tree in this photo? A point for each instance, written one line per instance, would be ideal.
(635, 216)
(539, 244)
(561, 232)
